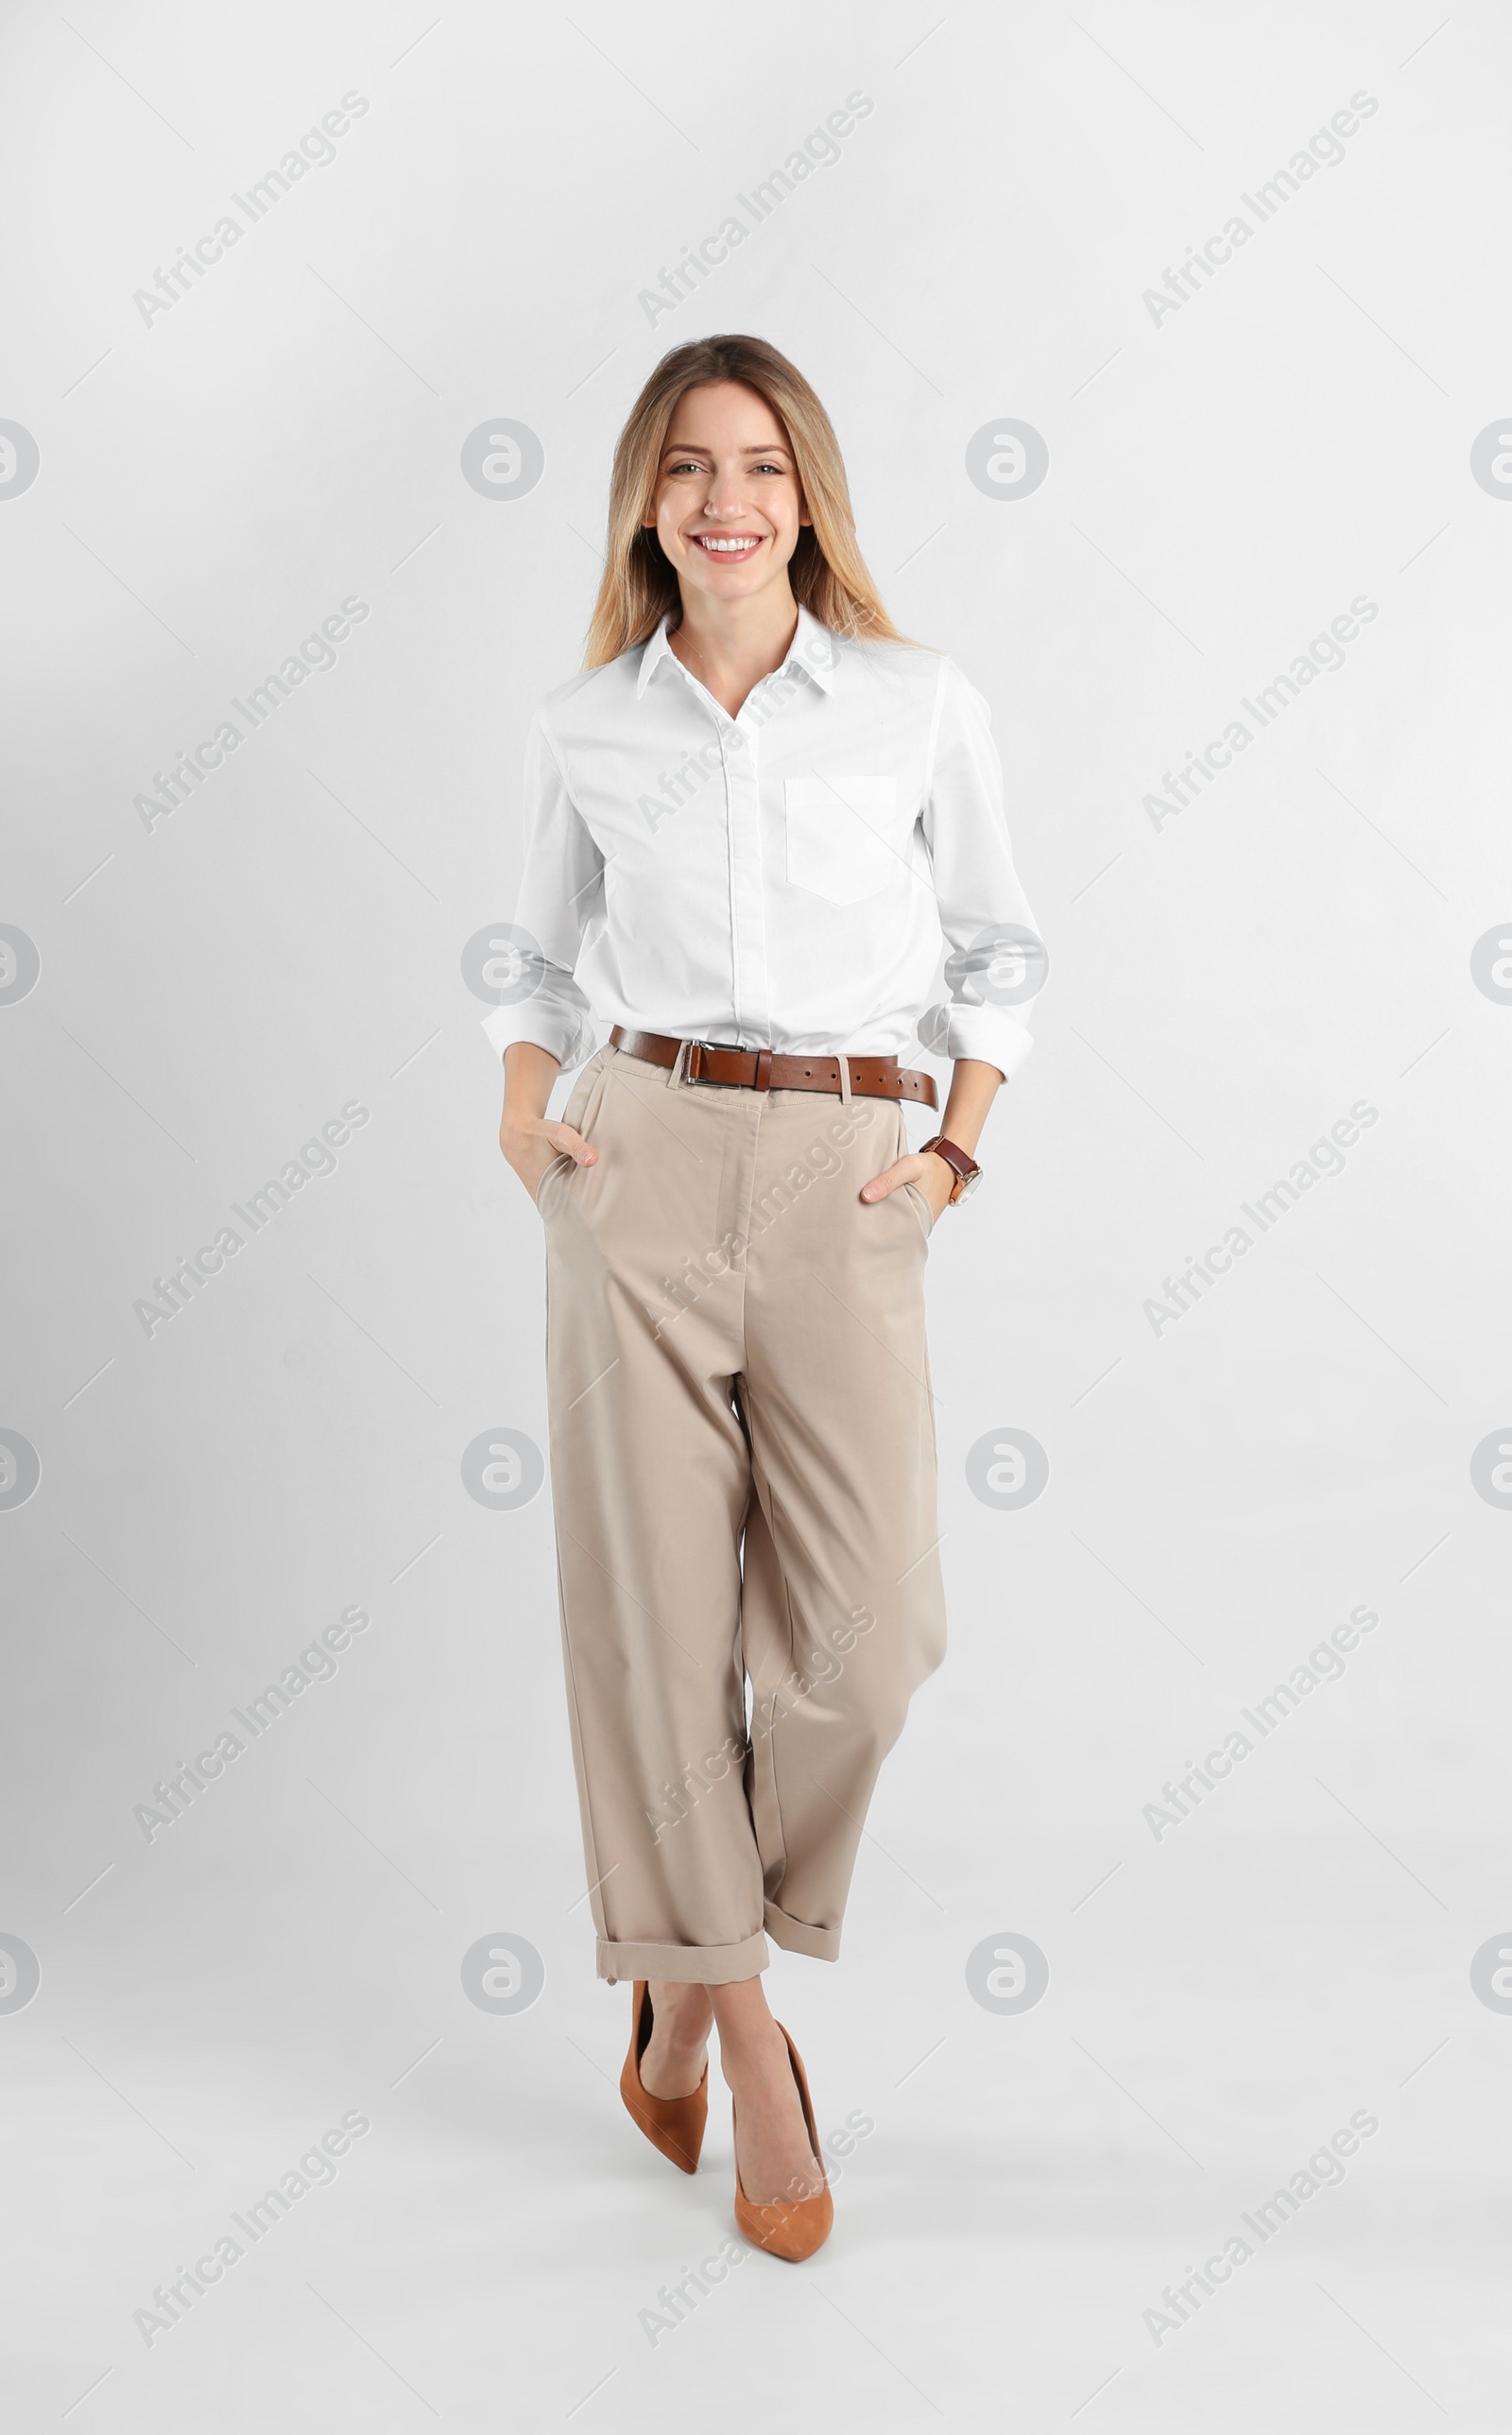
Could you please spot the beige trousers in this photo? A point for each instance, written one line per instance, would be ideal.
(742, 1469)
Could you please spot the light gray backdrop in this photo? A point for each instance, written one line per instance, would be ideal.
(199, 979)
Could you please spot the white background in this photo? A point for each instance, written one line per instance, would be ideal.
(1223, 989)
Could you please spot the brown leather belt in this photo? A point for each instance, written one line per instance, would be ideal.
(760, 1069)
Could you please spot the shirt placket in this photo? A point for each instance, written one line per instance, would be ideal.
(740, 747)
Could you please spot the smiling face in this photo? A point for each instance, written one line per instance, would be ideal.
(729, 507)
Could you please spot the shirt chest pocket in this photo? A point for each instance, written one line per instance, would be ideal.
(842, 839)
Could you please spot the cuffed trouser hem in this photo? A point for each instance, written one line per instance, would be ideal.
(692, 1965)
(795, 1936)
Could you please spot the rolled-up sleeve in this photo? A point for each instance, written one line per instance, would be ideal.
(561, 897)
(995, 963)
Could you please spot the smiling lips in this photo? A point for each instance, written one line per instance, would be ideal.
(733, 547)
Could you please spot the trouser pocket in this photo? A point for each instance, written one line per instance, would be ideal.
(563, 1158)
(581, 1109)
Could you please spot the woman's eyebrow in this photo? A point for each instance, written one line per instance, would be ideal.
(693, 448)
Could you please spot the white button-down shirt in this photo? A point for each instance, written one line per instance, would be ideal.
(782, 879)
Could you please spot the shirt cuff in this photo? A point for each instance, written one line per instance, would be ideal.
(564, 1035)
(990, 1033)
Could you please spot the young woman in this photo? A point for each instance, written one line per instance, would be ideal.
(753, 819)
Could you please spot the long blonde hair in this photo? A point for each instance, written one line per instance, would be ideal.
(828, 574)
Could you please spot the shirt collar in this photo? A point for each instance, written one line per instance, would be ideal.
(652, 654)
(814, 652)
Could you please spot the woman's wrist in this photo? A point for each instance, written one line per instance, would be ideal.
(974, 1085)
(529, 1073)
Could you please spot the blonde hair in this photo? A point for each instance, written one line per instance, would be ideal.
(827, 572)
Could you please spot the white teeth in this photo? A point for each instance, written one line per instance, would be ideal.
(707, 541)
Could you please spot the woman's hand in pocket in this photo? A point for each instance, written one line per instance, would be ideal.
(532, 1143)
(935, 1180)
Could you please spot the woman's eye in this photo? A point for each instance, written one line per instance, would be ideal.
(692, 465)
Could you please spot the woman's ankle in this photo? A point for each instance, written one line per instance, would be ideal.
(681, 2015)
(756, 2051)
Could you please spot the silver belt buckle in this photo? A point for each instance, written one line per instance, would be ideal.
(709, 1081)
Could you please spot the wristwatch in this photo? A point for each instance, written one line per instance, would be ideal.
(965, 1169)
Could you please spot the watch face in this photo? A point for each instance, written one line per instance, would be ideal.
(969, 1186)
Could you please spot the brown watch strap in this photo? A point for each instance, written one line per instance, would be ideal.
(962, 1164)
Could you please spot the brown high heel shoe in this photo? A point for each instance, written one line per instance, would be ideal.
(672, 2124)
(790, 2228)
